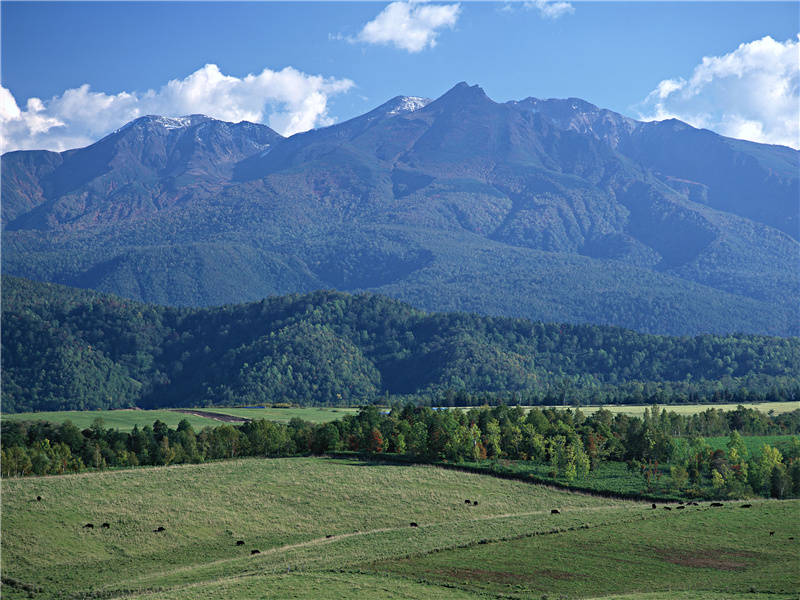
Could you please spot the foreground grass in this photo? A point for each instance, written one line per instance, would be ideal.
(718, 550)
(340, 529)
(283, 507)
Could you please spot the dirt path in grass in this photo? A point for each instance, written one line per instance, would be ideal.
(212, 415)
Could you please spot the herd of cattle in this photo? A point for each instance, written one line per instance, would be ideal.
(554, 511)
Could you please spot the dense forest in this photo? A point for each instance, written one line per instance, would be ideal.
(64, 348)
(665, 449)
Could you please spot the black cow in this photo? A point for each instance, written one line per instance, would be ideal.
(255, 551)
(555, 511)
(159, 529)
(467, 502)
(654, 506)
(327, 537)
(89, 526)
(746, 506)
(240, 542)
(717, 504)
(679, 507)
(771, 533)
(38, 498)
(412, 524)
(667, 508)
(105, 525)
(474, 503)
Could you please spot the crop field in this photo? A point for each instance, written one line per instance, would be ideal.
(328, 528)
(125, 419)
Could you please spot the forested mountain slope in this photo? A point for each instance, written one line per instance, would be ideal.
(545, 209)
(64, 348)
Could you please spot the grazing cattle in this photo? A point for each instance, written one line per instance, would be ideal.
(158, 529)
(467, 502)
(105, 525)
(679, 507)
(327, 537)
(746, 506)
(791, 538)
(771, 533)
(89, 526)
(667, 508)
(474, 503)
(716, 504)
(412, 524)
(240, 542)
(255, 551)
(654, 506)
(38, 498)
(555, 511)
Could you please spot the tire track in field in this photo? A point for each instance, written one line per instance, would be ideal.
(320, 541)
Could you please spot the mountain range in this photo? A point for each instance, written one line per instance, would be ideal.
(552, 210)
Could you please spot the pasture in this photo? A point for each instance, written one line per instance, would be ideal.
(125, 419)
(284, 415)
(329, 528)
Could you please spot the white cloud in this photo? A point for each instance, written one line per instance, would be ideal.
(750, 93)
(408, 25)
(551, 9)
(288, 100)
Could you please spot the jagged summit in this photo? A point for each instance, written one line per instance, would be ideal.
(464, 93)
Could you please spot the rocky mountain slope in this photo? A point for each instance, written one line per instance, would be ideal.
(547, 209)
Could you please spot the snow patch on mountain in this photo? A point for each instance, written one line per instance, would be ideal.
(407, 104)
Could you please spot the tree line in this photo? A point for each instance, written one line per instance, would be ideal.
(572, 445)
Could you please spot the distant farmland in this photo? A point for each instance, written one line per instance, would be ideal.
(125, 419)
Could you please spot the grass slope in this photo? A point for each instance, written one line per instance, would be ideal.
(727, 550)
(288, 508)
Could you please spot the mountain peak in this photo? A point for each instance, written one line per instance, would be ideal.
(463, 92)
(166, 122)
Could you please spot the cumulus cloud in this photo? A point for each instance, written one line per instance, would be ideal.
(551, 9)
(288, 100)
(408, 25)
(750, 93)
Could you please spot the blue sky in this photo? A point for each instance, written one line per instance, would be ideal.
(616, 55)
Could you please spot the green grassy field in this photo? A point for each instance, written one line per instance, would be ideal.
(340, 529)
(753, 443)
(284, 415)
(125, 419)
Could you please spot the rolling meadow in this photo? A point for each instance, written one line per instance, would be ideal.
(334, 528)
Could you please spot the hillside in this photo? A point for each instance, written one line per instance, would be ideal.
(550, 210)
(66, 349)
(340, 529)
